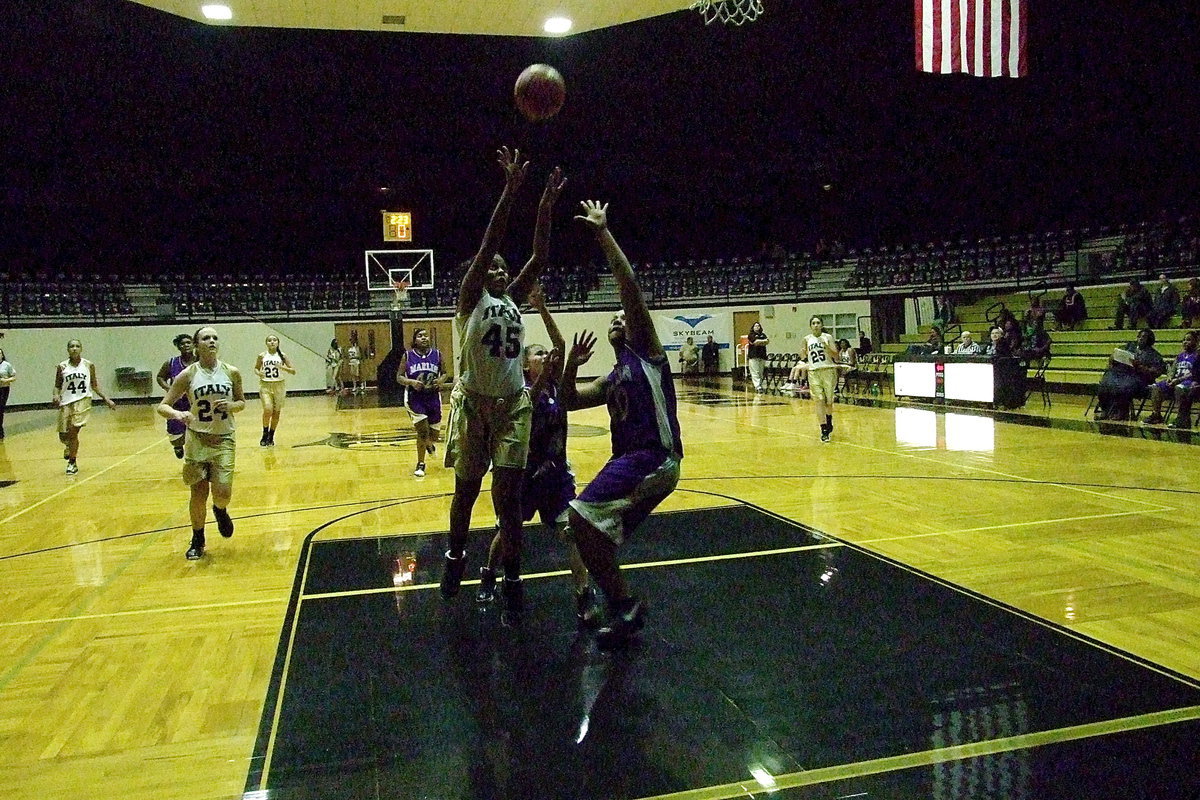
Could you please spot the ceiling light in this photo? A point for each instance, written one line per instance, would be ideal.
(557, 25)
(216, 12)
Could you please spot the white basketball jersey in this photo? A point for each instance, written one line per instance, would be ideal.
(272, 367)
(206, 388)
(76, 381)
(817, 357)
(490, 344)
(353, 353)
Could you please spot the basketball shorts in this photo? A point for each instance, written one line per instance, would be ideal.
(487, 431)
(1187, 386)
(274, 391)
(208, 457)
(548, 496)
(74, 415)
(355, 369)
(425, 405)
(626, 490)
(822, 383)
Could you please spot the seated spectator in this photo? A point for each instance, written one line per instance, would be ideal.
(998, 346)
(1013, 336)
(1189, 308)
(689, 357)
(1180, 381)
(1003, 318)
(1166, 303)
(864, 344)
(1134, 303)
(847, 357)
(932, 346)
(1130, 372)
(1072, 309)
(1035, 345)
(967, 346)
(1035, 315)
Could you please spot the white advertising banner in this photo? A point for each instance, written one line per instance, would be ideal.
(675, 328)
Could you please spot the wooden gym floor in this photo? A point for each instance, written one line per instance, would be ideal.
(933, 604)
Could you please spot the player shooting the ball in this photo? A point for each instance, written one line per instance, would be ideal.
(490, 411)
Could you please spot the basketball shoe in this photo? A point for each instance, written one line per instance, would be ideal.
(487, 585)
(513, 592)
(627, 618)
(452, 574)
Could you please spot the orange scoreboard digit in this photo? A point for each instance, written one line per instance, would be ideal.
(397, 226)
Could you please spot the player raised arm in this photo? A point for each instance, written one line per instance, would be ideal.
(639, 327)
(519, 289)
(575, 397)
(537, 299)
(473, 282)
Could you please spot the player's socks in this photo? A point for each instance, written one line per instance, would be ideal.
(487, 585)
(587, 612)
(626, 618)
(224, 523)
(196, 550)
(514, 602)
(452, 574)
(829, 422)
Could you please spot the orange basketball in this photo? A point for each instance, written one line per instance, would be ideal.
(540, 92)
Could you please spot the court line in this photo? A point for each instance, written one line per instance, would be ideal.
(135, 612)
(293, 615)
(939, 755)
(77, 483)
(1003, 526)
(943, 464)
(559, 572)
(961, 478)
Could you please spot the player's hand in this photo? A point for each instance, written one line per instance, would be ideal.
(594, 214)
(184, 416)
(554, 362)
(581, 348)
(108, 401)
(221, 406)
(514, 169)
(537, 297)
(554, 186)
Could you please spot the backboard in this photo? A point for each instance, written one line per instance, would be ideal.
(386, 269)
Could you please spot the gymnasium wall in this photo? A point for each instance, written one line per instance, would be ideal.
(35, 351)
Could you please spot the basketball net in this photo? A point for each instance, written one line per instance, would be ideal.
(400, 287)
(731, 12)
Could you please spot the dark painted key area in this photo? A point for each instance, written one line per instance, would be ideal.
(767, 665)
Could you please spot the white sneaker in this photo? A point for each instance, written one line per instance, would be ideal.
(419, 472)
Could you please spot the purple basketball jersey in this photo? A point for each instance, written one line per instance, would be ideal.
(426, 402)
(1185, 367)
(641, 405)
(422, 367)
(174, 367)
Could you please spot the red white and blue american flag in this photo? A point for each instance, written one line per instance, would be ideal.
(979, 37)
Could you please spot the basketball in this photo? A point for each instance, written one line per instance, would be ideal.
(540, 92)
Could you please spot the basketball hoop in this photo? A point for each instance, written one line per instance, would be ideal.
(400, 287)
(731, 12)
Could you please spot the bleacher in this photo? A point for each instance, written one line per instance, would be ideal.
(1079, 356)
